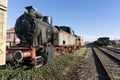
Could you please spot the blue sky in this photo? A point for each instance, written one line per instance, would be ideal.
(88, 18)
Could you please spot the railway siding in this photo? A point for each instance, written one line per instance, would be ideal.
(112, 53)
(90, 70)
(110, 63)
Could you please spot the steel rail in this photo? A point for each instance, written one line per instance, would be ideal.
(101, 61)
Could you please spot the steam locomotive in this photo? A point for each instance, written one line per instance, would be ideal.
(40, 41)
(102, 41)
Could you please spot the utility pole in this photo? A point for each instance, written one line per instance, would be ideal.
(3, 20)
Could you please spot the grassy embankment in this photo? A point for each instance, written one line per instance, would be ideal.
(59, 69)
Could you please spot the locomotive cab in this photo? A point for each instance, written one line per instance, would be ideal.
(67, 29)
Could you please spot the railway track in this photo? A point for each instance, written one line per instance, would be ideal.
(112, 52)
(110, 62)
(90, 70)
(113, 49)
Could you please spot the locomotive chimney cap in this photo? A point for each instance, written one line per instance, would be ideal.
(30, 7)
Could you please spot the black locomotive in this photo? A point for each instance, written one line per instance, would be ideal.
(33, 29)
(35, 33)
(102, 41)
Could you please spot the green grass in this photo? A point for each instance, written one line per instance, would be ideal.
(60, 68)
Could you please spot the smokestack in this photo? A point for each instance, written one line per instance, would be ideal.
(31, 10)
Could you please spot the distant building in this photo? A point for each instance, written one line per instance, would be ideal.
(11, 39)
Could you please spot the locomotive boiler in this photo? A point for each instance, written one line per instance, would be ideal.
(33, 29)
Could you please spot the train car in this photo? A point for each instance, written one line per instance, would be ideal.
(64, 39)
(77, 41)
(40, 41)
(103, 41)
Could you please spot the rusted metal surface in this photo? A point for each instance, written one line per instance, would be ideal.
(19, 55)
(3, 15)
(63, 38)
(17, 52)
